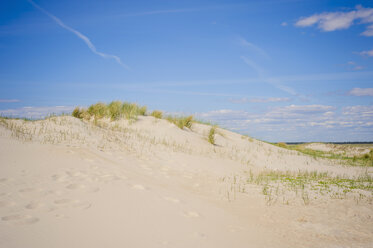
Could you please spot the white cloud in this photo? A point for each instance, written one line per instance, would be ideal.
(260, 100)
(9, 100)
(331, 21)
(284, 24)
(362, 111)
(303, 109)
(367, 53)
(300, 122)
(361, 92)
(86, 40)
(35, 112)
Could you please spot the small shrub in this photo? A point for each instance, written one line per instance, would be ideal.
(282, 144)
(142, 110)
(188, 121)
(211, 137)
(76, 112)
(181, 122)
(114, 109)
(130, 110)
(98, 110)
(85, 115)
(157, 114)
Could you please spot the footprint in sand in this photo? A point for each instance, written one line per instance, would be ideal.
(20, 219)
(75, 186)
(171, 199)
(78, 186)
(63, 201)
(2, 180)
(59, 178)
(199, 235)
(34, 205)
(82, 205)
(28, 190)
(191, 214)
(6, 204)
(92, 190)
(73, 203)
(138, 187)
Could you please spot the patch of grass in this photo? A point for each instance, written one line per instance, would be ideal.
(157, 114)
(181, 122)
(319, 183)
(114, 110)
(130, 110)
(76, 112)
(211, 136)
(282, 144)
(362, 160)
(98, 110)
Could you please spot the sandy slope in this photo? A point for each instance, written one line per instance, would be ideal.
(67, 183)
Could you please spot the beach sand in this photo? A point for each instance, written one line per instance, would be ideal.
(65, 182)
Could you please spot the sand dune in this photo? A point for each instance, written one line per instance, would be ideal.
(65, 182)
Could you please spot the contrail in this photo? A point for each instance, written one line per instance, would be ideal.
(80, 35)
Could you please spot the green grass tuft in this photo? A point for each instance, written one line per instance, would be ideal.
(157, 114)
(181, 122)
(211, 136)
(114, 110)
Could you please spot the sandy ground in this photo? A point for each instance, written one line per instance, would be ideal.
(348, 150)
(68, 183)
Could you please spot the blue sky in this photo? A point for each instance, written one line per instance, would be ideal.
(278, 70)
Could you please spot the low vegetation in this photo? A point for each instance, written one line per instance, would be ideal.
(211, 136)
(356, 160)
(157, 114)
(288, 187)
(181, 122)
(114, 110)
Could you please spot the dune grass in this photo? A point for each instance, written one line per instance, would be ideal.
(211, 136)
(157, 114)
(130, 111)
(306, 186)
(362, 160)
(114, 110)
(181, 121)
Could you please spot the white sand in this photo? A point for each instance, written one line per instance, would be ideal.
(67, 183)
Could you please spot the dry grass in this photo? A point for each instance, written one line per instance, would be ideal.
(157, 114)
(181, 122)
(114, 110)
(211, 136)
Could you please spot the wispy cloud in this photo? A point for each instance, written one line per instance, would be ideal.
(36, 112)
(259, 100)
(85, 39)
(254, 66)
(299, 122)
(361, 92)
(331, 21)
(253, 47)
(367, 53)
(159, 12)
(9, 100)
